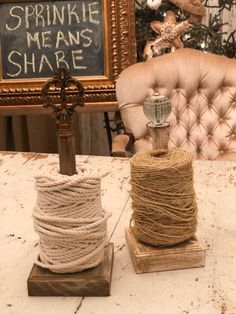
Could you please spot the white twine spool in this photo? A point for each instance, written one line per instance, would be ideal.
(70, 222)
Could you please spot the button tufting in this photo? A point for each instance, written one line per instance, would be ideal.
(202, 120)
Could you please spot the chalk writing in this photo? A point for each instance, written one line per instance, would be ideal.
(37, 38)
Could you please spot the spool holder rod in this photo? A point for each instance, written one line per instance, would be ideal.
(63, 112)
(159, 134)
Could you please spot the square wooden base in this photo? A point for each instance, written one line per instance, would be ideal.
(92, 282)
(147, 258)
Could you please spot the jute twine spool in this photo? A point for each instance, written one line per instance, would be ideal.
(163, 197)
(70, 222)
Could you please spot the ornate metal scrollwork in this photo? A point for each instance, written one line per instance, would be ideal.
(63, 112)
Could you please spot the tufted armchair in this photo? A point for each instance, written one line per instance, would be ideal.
(202, 89)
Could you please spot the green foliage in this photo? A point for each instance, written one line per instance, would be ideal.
(209, 38)
(144, 16)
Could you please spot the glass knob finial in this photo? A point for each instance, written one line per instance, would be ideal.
(157, 109)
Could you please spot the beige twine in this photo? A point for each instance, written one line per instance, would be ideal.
(163, 197)
(70, 221)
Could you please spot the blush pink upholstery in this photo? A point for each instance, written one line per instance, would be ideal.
(202, 89)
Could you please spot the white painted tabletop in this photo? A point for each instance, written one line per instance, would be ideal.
(207, 290)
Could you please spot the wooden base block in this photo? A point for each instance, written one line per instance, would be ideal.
(147, 258)
(92, 282)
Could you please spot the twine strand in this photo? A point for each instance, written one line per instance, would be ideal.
(163, 197)
(70, 222)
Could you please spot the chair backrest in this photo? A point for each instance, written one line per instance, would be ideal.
(202, 89)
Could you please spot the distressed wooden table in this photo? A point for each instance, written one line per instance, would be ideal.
(206, 290)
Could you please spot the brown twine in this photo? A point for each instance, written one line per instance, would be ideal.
(163, 197)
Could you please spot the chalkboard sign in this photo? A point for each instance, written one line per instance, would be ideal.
(93, 39)
(37, 38)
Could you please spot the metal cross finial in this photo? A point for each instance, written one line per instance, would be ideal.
(62, 80)
(63, 113)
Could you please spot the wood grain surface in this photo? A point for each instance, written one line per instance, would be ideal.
(147, 258)
(91, 282)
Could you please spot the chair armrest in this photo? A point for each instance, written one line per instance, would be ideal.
(121, 145)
